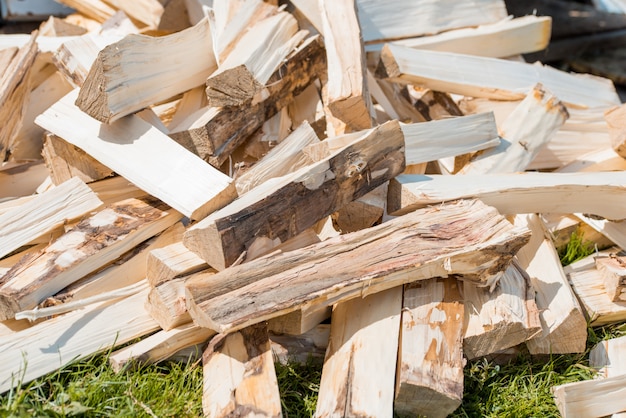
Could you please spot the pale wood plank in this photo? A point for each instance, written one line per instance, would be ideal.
(591, 398)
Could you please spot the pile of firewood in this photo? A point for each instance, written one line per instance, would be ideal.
(235, 178)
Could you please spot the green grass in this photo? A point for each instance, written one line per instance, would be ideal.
(90, 388)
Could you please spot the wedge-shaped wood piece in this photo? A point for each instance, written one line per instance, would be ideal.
(591, 398)
(91, 244)
(617, 128)
(465, 237)
(47, 346)
(212, 133)
(281, 209)
(613, 270)
(430, 358)
(159, 346)
(239, 375)
(562, 320)
(356, 352)
(502, 39)
(500, 318)
(527, 129)
(40, 215)
(348, 97)
(253, 60)
(145, 156)
(490, 77)
(140, 70)
(171, 261)
(601, 194)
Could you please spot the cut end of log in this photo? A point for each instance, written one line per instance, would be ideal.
(207, 244)
(97, 107)
(234, 87)
(8, 307)
(353, 111)
(431, 402)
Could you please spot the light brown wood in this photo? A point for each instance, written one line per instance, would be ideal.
(55, 26)
(363, 212)
(21, 179)
(478, 244)
(97, 10)
(617, 130)
(166, 304)
(91, 244)
(146, 12)
(171, 261)
(429, 380)
(247, 381)
(591, 398)
(300, 321)
(613, 269)
(360, 365)
(301, 348)
(297, 201)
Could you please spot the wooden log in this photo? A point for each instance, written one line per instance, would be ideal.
(147, 13)
(613, 269)
(490, 77)
(114, 189)
(252, 61)
(591, 398)
(47, 346)
(363, 212)
(617, 129)
(300, 321)
(172, 174)
(500, 318)
(55, 26)
(348, 97)
(159, 346)
(563, 323)
(310, 346)
(281, 209)
(171, 261)
(602, 160)
(93, 243)
(429, 380)
(97, 10)
(433, 105)
(393, 100)
(356, 351)
(470, 229)
(166, 304)
(606, 356)
(515, 193)
(136, 72)
(247, 381)
(527, 129)
(44, 213)
(210, 132)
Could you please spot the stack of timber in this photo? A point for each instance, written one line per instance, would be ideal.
(381, 185)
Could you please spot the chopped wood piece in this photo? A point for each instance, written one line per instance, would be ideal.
(591, 398)
(607, 357)
(48, 345)
(114, 189)
(44, 213)
(249, 66)
(597, 193)
(392, 98)
(363, 212)
(59, 27)
(613, 269)
(91, 244)
(490, 77)
(434, 105)
(348, 97)
(65, 161)
(21, 179)
(617, 128)
(166, 304)
(140, 70)
(247, 383)
(564, 325)
(430, 358)
(363, 344)
(211, 132)
(300, 321)
(301, 348)
(171, 261)
(146, 12)
(159, 346)
(167, 171)
(97, 10)
(500, 318)
(527, 129)
(466, 238)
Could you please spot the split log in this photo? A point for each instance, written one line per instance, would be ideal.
(166, 304)
(597, 193)
(617, 129)
(466, 238)
(91, 244)
(210, 132)
(192, 100)
(490, 77)
(114, 189)
(239, 375)
(591, 398)
(527, 129)
(302, 348)
(433, 105)
(500, 318)
(147, 13)
(613, 269)
(393, 100)
(502, 39)
(46, 346)
(607, 357)
(429, 380)
(55, 26)
(281, 209)
(140, 70)
(347, 96)
(363, 212)
(300, 321)
(171, 261)
(97, 10)
(253, 60)
(65, 161)
(171, 173)
(563, 323)
(356, 352)
(44, 213)
(159, 346)
(602, 160)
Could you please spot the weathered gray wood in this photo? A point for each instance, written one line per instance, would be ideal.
(280, 209)
(465, 237)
